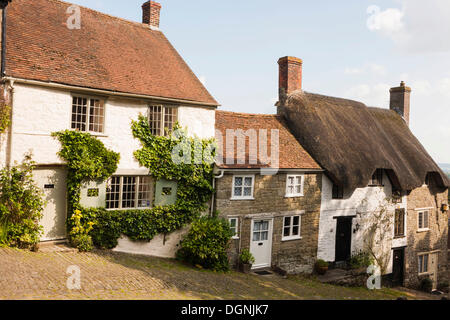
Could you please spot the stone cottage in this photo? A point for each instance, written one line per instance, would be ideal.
(379, 182)
(273, 206)
(94, 77)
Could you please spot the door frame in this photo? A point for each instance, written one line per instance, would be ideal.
(349, 218)
(403, 250)
(55, 167)
(270, 239)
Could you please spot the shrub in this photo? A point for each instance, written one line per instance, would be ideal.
(83, 242)
(361, 260)
(79, 235)
(443, 286)
(246, 257)
(426, 285)
(206, 244)
(321, 264)
(21, 206)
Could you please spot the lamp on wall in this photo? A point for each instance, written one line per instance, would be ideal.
(444, 207)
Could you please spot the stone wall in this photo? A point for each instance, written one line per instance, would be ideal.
(433, 240)
(295, 256)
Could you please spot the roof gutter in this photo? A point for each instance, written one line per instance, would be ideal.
(108, 92)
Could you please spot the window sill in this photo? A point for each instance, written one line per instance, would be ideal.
(399, 237)
(291, 239)
(294, 196)
(130, 209)
(423, 230)
(242, 199)
(235, 238)
(94, 134)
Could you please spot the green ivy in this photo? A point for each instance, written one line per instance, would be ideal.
(5, 117)
(87, 159)
(193, 192)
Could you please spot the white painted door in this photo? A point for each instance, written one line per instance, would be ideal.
(52, 181)
(261, 243)
(434, 269)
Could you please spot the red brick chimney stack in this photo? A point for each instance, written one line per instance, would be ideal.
(290, 76)
(151, 13)
(401, 101)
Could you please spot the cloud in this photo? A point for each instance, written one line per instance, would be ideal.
(368, 68)
(372, 95)
(389, 21)
(418, 26)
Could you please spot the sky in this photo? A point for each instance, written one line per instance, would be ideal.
(354, 49)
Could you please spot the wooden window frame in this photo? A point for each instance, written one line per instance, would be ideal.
(421, 264)
(88, 114)
(236, 235)
(295, 185)
(242, 197)
(422, 214)
(291, 228)
(137, 191)
(337, 192)
(377, 178)
(399, 226)
(162, 125)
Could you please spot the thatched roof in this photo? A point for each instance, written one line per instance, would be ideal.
(350, 141)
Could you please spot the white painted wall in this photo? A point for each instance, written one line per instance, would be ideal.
(354, 204)
(39, 111)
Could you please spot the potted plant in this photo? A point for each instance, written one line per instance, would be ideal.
(321, 267)
(246, 261)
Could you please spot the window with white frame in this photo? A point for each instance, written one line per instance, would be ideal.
(129, 192)
(88, 114)
(423, 220)
(234, 226)
(162, 119)
(292, 227)
(423, 263)
(294, 185)
(243, 187)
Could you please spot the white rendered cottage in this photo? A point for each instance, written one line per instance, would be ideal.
(96, 78)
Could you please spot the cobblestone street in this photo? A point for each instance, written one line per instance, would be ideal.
(108, 275)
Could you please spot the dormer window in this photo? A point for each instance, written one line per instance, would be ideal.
(377, 179)
(338, 192)
(162, 119)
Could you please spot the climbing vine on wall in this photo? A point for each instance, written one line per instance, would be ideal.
(5, 117)
(193, 176)
(87, 159)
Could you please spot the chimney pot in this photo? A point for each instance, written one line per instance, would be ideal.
(151, 13)
(401, 101)
(290, 76)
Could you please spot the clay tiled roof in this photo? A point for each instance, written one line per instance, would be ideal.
(291, 153)
(107, 53)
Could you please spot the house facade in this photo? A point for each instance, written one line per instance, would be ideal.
(273, 207)
(381, 191)
(95, 79)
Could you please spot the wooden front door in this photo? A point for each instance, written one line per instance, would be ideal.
(261, 243)
(343, 239)
(433, 269)
(53, 183)
(398, 267)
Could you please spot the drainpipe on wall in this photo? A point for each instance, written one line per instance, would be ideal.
(10, 136)
(222, 173)
(3, 6)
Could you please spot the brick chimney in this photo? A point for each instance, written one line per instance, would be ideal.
(401, 101)
(151, 13)
(290, 76)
